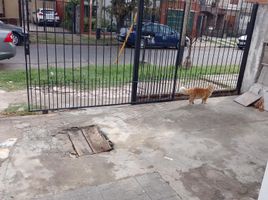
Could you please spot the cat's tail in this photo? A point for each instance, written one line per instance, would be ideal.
(183, 90)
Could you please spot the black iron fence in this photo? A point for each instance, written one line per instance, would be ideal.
(84, 53)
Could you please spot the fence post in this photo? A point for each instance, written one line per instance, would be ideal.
(135, 76)
(249, 33)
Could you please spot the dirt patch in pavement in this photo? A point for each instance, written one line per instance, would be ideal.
(12, 98)
(207, 182)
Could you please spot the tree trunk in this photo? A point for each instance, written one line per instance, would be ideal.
(119, 23)
(99, 13)
(187, 62)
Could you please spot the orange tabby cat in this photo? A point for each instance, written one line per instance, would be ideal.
(260, 104)
(197, 93)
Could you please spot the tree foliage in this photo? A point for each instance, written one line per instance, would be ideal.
(120, 9)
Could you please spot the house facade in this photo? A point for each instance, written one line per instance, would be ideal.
(208, 17)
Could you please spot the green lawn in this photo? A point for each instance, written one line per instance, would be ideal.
(60, 38)
(105, 76)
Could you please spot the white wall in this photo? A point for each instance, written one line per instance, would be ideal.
(260, 35)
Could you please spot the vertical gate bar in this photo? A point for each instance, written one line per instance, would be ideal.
(249, 31)
(38, 58)
(56, 61)
(103, 57)
(135, 77)
(88, 53)
(80, 51)
(27, 40)
(64, 55)
(96, 57)
(72, 47)
(177, 63)
(26, 51)
(130, 75)
(110, 63)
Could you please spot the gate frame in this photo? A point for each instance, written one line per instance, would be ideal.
(134, 98)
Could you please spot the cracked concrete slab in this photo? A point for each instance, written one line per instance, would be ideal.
(218, 150)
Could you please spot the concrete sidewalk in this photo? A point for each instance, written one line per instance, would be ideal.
(214, 151)
(145, 187)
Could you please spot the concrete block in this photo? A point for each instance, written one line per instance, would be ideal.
(247, 98)
(251, 96)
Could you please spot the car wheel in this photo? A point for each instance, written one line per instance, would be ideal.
(16, 39)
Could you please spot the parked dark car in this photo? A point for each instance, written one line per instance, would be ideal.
(241, 42)
(153, 35)
(18, 32)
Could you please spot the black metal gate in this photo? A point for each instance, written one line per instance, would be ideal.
(83, 53)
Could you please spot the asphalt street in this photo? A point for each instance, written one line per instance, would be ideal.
(59, 55)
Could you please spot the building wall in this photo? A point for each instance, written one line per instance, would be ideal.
(11, 9)
(258, 38)
(179, 5)
(1, 8)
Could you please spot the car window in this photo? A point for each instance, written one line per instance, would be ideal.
(169, 30)
(47, 11)
(148, 28)
(162, 29)
(155, 28)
